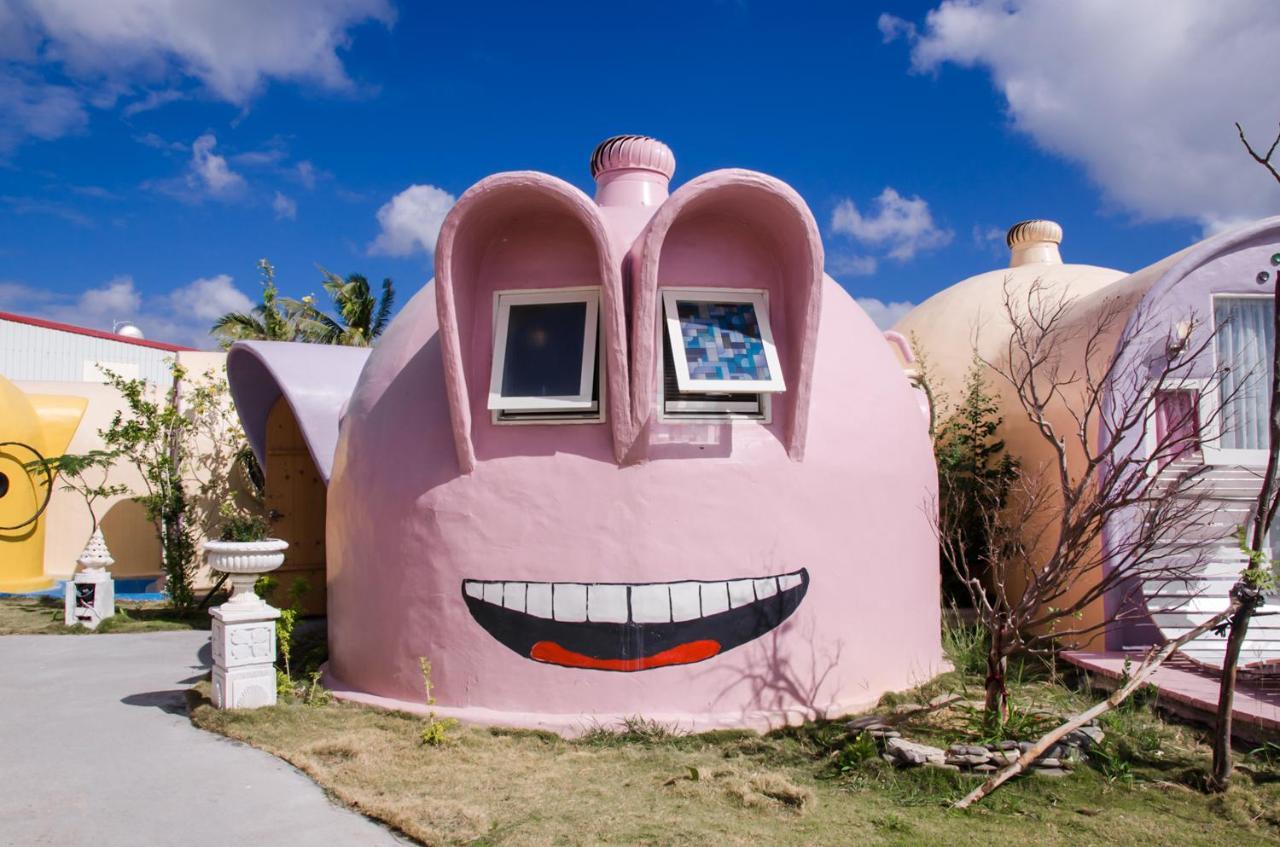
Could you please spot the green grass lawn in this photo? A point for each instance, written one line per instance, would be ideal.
(648, 785)
(44, 616)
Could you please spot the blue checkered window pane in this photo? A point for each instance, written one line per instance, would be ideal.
(722, 341)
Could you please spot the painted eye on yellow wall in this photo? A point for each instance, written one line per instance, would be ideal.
(41, 475)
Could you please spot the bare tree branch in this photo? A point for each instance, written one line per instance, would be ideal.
(1111, 509)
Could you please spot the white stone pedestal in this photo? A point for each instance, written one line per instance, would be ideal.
(244, 654)
(89, 598)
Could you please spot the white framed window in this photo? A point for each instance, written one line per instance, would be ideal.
(700, 400)
(721, 341)
(547, 359)
(1242, 344)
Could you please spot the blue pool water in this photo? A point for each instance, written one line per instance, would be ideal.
(126, 589)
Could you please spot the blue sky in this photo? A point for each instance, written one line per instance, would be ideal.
(149, 158)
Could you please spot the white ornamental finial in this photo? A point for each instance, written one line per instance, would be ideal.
(96, 556)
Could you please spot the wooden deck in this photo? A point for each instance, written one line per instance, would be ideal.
(1191, 692)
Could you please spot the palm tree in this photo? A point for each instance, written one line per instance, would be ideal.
(265, 322)
(362, 315)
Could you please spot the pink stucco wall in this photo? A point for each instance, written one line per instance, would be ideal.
(427, 492)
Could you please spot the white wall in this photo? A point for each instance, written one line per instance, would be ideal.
(34, 353)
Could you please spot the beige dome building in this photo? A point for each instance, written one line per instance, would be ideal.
(1207, 309)
(970, 317)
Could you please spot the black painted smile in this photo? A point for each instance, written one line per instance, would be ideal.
(632, 627)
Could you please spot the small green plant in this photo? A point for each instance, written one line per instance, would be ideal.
(1111, 763)
(239, 525)
(284, 624)
(1259, 574)
(964, 644)
(634, 729)
(1268, 753)
(316, 694)
(1018, 725)
(856, 753)
(435, 731)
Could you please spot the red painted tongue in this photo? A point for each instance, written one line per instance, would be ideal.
(695, 651)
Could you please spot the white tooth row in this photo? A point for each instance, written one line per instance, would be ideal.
(667, 602)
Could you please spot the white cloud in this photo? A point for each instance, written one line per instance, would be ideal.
(411, 220)
(182, 316)
(261, 158)
(1143, 94)
(40, 206)
(851, 264)
(306, 174)
(284, 207)
(31, 108)
(903, 224)
(114, 49)
(211, 171)
(231, 46)
(117, 297)
(152, 100)
(209, 298)
(884, 314)
(990, 239)
(150, 139)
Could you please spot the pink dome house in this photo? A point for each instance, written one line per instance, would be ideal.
(631, 456)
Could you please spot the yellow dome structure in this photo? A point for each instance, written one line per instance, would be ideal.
(32, 426)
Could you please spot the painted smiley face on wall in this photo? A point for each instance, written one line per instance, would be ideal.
(624, 627)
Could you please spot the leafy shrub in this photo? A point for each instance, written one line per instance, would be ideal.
(244, 528)
(1020, 724)
(974, 473)
(856, 753)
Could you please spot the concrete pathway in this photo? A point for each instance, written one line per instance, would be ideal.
(96, 749)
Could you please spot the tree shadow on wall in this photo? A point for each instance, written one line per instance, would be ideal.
(777, 682)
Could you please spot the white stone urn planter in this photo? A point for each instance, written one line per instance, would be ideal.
(244, 627)
(243, 562)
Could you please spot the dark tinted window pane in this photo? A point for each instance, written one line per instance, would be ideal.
(544, 350)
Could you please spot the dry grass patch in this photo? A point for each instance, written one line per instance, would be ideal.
(643, 784)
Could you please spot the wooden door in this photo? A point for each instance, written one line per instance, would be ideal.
(296, 494)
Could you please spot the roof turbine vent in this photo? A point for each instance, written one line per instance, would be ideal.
(632, 170)
(1034, 242)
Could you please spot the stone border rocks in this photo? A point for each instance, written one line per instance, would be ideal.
(977, 759)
